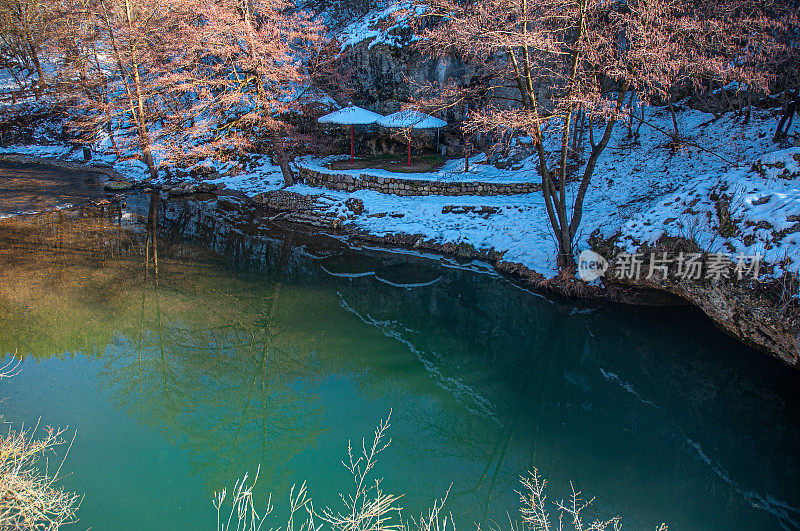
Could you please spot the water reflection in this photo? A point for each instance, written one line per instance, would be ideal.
(245, 343)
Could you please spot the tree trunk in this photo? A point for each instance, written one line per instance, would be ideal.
(39, 71)
(641, 121)
(274, 136)
(597, 150)
(466, 152)
(749, 110)
(573, 150)
(280, 156)
(674, 123)
(139, 112)
(630, 115)
(786, 119)
(564, 260)
(141, 125)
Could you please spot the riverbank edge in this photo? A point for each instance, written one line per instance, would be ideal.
(103, 169)
(741, 310)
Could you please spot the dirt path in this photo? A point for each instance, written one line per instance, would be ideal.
(26, 188)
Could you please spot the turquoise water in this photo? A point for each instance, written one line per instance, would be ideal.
(257, 346)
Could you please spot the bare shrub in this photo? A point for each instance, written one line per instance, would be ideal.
(31, 498)
(242, 507)
(368, 508)
(534, 508)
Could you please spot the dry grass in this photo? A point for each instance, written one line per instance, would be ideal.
(30, 498)
(534, 509)
(368, 508)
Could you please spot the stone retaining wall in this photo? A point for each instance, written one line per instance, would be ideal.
(400, 186)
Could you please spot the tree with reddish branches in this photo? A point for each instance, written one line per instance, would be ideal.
(115, 59)
(540, 64)
(193, 78)
(245, 67)
(26, 31)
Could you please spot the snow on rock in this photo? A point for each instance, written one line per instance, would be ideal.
(687, 194)
(383, 26)
(411, 118)
(784, 164)
(133, 169)
(351, 115)
(509, 230)
(261, 176)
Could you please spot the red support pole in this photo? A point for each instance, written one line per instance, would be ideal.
(409, 151)
(352, 145)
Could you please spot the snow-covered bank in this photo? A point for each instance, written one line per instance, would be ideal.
(738, 193)
(642, 190)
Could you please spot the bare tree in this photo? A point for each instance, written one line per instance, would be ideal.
(541, 63)
(139, 39)
(25, 31)
(243, 68)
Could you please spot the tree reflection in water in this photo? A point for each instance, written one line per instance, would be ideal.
(251, 344)
(232, 390)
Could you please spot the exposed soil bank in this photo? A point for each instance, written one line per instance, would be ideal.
(27, 188)
(747, 311)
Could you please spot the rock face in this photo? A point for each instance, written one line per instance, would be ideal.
(118, 186)
(385, 77)
(762, 313)
(355, 205)
(746, 311)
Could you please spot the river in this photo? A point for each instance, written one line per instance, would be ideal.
(244, 344)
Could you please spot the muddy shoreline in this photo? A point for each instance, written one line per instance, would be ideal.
(743, 312)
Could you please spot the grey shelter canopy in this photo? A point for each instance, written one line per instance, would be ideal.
(352, 116)
(411, 119)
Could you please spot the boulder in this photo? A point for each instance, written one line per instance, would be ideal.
(355, 205)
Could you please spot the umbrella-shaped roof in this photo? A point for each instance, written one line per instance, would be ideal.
(411, 119)
(351, 115)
